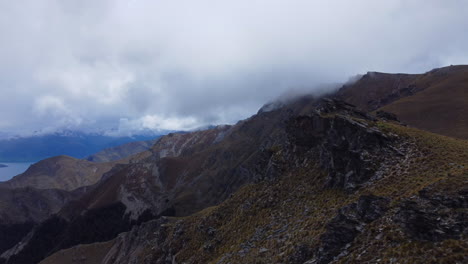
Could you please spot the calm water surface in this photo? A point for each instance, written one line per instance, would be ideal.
(13, 169)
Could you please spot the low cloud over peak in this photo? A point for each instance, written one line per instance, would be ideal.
(97, 65)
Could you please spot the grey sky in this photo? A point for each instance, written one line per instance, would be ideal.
(92, 65)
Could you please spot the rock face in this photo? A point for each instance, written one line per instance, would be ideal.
(350, 221)
(129, 246)
(435, 217)
(350, 150)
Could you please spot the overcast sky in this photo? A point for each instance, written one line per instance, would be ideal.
(95, 65)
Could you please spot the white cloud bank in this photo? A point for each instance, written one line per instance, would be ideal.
(90, 64)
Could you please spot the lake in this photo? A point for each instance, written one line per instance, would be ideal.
(13, 169)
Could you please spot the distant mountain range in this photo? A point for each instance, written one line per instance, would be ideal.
(77, 145)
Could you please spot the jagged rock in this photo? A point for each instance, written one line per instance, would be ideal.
(347, 147)
(347, 153)
(308, 131)
(349, 222)
(435, 217)
(129, 245)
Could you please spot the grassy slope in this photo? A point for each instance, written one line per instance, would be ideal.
(442, 165)
(434, 101)
(440, 108)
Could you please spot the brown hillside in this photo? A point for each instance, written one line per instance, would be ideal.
(61, 172)
(442, 107)
(375, 89)
(436, 101)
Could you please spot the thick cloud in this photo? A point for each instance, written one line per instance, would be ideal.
(94, 65)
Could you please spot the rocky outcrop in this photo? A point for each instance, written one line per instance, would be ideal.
(349, 147)
(175, 144)
(349, 151)
(435, 217)
(349, 222)
(129, 247)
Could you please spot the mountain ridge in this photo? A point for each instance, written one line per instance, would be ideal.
(313, 180)
(286, 209)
